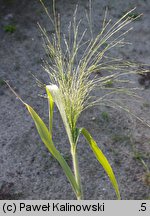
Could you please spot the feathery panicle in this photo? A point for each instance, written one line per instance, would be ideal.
(75, 77)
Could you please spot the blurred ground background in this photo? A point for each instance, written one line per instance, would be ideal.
(27, 170)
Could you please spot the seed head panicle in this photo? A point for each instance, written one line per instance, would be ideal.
(74, 76)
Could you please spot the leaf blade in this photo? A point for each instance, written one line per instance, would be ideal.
(55, 92)
(51, 108)
(102, 160)
(47, 140)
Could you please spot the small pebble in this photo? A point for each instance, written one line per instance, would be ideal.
(8, 16)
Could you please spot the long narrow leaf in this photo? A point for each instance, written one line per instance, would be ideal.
(55, 92)
(51, 108)
(102, 159)
(47, 140)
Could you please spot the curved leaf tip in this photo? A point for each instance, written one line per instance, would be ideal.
(102, 160)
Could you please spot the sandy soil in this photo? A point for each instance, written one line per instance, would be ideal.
(27, 170)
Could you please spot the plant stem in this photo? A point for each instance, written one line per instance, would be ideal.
(76, 172)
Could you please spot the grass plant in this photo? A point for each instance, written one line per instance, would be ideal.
(2, 82)
(10, 28)
(105, 116)
(73, 79)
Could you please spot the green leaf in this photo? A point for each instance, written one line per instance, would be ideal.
(102, 159)
(55, 92)
(47, 140)
(51, 108)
